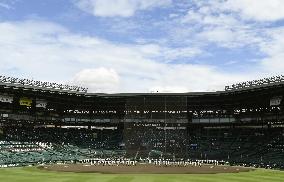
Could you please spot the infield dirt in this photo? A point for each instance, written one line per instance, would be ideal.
(144, 169)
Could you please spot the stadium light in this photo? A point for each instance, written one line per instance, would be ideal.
(254, 83)
(49, 85)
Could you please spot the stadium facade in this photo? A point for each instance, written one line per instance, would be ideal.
(45, 122)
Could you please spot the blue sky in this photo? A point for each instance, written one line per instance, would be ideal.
(142, 45)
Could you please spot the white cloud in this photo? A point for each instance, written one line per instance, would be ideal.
(167, 54)
(122, 8)
(50, 52)
(98, 79)
(219, 22)
(4, 5)
(241, 24)
(273, 47)
(183, 52)
(168, 89)
(259, 10)
(256, 10)
(230, 37)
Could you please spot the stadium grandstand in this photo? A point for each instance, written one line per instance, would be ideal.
(45, 122)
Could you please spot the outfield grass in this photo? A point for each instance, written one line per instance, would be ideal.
(31, 174)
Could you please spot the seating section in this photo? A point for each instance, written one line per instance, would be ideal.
(249, 146)
(246, 146)
(152, 141)
(24, 146)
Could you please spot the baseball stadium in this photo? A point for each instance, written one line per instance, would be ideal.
(54, 132)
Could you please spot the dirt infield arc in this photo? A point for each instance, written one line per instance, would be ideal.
(144, 169)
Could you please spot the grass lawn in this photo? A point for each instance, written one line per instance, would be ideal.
(31, 174)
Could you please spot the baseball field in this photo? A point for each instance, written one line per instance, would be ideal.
(33, 174)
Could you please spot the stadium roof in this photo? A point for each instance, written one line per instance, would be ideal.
(25, 84)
